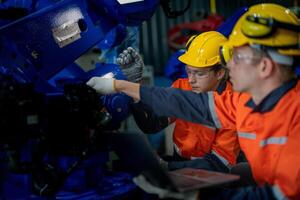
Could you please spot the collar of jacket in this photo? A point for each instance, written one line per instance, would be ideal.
(270, 101)
(221, 87)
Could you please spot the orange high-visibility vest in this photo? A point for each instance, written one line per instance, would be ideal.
(270, 139)
(269, 133)
(193, 140)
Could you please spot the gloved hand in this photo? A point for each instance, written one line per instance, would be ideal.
(151, 189)
(163, 193)
(131, 64)
(102, 85)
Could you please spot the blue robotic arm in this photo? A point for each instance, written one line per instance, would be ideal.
(44, 100)
(43, 45)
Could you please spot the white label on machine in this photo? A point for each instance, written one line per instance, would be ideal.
(128, 1)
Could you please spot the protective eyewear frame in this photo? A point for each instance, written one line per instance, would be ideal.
(200, 74)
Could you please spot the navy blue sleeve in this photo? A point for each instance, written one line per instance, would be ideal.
(146, 120)
(178, 103)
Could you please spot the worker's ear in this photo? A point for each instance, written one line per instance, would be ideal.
(220, 74)
(266, 67)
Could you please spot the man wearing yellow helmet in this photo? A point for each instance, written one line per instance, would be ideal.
(260, 55)
(208, 148)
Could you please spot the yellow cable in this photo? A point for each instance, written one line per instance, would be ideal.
(213, 9)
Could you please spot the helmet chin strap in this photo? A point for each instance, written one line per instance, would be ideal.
(276, 57)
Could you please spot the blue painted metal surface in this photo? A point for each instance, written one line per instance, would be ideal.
(40, 48)
(298, 71)
(116, 104)
(43, 43)
(131, 14)
(175, 69)
(90, 181)
(226, 27)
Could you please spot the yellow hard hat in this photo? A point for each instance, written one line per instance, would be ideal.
(269, 25)
(203, 50)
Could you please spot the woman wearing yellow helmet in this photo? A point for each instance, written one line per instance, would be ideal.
(213, 149)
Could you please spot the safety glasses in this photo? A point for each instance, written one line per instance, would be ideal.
(199, 74)
(226, 53)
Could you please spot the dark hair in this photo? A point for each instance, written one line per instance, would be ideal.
(219, 67)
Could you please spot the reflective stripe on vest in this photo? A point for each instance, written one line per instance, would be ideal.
(251, 136)
(212, 109)
(214, 129)
(278, 193)
(273, 140)
(177, 149)
(194, 157)
(222, 159)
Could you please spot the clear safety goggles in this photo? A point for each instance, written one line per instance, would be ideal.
(198, 74)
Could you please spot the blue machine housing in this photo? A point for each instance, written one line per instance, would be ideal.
(41, 48)
(44, 44)
(131, 14)
(175, 69)
(41, 44)
(116, 104)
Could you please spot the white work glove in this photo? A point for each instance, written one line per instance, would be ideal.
(131, 64)
(151, 189)
(102, 85)
(141, 182)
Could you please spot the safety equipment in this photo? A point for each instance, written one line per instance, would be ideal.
(102, 85)
(260, 27)
(202, 50)
(193, 140)
(226, 53)
(131, 64)
(268, 25)
(272, 149)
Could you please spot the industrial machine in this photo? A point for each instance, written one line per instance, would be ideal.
(53, 126)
